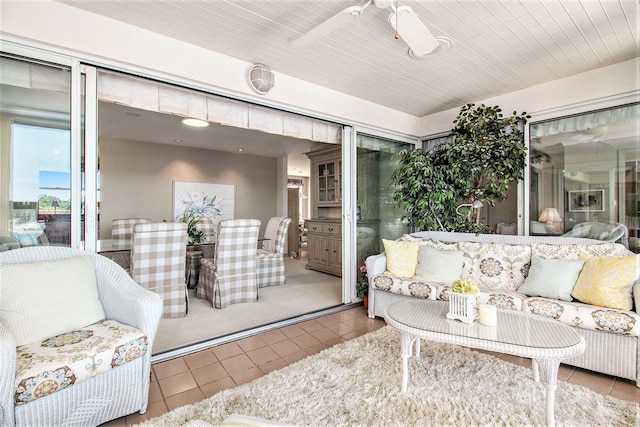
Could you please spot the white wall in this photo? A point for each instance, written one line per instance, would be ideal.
(592, 85)
(137, 180)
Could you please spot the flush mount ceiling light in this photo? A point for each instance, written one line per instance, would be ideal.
(261, 78)
(194, 122)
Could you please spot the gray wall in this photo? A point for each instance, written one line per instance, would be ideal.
(136, 180)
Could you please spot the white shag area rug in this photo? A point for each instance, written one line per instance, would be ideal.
(357, 383)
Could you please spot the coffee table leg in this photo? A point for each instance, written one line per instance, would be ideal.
(549, 377)
(406, 342)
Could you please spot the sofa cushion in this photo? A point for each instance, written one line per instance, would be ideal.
(585, 316)
(402, 257)
(439, 266)
(495, 265)
(506, 299)
(58, 362)
(411, 287)
(551, 278)
(36, 298)
(547, 251)
(607, 281)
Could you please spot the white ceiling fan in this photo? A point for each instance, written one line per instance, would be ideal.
(403, 19)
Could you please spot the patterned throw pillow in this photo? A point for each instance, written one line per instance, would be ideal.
(551, 278)
(607, 282)
(495, 265)
(402, 257)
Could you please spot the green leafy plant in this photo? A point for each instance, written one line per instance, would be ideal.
(483, 156)
(192, 220)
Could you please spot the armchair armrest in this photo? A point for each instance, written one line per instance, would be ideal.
(126, 301)
(376, 264)
(7, 376)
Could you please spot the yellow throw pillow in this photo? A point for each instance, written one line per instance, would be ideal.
(402, 257)
(607, 282)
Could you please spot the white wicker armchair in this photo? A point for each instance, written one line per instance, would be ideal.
(112, 394)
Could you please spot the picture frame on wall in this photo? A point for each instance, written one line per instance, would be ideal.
(586, 201)
(215, 201)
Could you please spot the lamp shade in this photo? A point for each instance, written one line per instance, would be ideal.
(549, 216)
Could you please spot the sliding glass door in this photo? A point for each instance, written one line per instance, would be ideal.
(36, 170)
(585, 175)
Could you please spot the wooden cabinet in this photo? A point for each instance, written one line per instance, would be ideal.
(325, 246)
(326, 181)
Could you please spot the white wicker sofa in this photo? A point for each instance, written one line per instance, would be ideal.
(500, 265)
(96, 371)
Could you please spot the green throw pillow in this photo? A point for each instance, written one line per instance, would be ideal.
(551, 278)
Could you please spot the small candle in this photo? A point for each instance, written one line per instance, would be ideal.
(488, 315)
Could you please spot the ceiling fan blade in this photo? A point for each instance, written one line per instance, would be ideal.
(413, 31)
(336, 21)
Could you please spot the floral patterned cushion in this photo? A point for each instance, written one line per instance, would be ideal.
(586, 316)
(543, 250)
(495, 265)
(56, 363)
(415, 288)
(506, 299)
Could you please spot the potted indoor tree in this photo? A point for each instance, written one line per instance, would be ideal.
(483, 156)
(362, 287)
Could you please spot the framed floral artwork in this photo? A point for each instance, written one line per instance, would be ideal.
(201, 199)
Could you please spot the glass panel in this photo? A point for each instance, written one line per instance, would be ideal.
(35, 153)
(376, 217)
(583, 175)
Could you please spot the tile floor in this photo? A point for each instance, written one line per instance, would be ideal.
(191, 378)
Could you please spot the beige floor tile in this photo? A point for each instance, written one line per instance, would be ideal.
(177, 384)
(295, 356)
(325, 335)
(238, 363)
(600, 383)
(626, 390)
(170, 368)
(201, 358)
(339, 328)
(154, 409)
(213, 387)
(305, 341)
(284, 348)
(251, 343)
(154, 392)
(273, 336)
(208, 373)
(247, 375)
(185, 398)
(316, 348)
(273, 365)
(262, 355)
(311, 325)
(225, 351)
(119, 422)
(292, 331)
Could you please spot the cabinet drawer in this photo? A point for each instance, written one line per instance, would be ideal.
(314, 228)
(331, 228)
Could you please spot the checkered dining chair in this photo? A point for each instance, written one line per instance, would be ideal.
(270, 258)
(158, 254)
(122, 228)
(230, 276)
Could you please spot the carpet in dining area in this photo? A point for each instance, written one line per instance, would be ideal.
(357, 383)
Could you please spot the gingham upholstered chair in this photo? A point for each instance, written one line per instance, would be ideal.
(122, 228)
(158, 255)
(230, 276)
(270, 258)
(97, 385)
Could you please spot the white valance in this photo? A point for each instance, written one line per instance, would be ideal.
(584, 122)
(152, 96)
(34, 76)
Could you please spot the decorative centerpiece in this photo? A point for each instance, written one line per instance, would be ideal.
(463, 298)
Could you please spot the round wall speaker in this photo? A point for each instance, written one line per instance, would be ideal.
(261, 78)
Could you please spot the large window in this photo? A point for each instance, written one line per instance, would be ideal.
(585, 175)
(35, 153)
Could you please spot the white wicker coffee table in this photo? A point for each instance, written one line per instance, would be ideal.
(543, 340)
